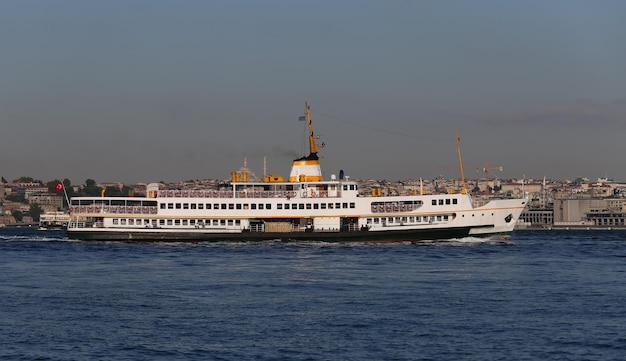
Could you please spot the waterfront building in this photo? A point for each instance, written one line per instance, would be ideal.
(538, 218)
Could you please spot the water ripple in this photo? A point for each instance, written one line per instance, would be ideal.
(540, 295)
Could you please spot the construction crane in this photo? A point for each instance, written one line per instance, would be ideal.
(486, 169)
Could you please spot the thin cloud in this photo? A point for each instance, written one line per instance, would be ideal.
(583, 113)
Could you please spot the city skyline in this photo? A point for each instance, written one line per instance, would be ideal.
(146, 91)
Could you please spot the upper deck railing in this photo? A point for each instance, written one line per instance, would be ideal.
(244, 194)
(113, 209)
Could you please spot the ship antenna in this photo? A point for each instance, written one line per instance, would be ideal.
(313, 148)
(458, 149)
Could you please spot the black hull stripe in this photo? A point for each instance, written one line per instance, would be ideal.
(356, 236)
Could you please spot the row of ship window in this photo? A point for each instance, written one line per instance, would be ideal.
(236, 222)
(446, 201)
(176, 222)
(246, 206)
(408, 220)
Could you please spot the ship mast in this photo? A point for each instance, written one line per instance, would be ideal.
(313, 148)
(458, 149)
(307, 168)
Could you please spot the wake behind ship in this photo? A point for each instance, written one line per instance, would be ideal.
(303, 207)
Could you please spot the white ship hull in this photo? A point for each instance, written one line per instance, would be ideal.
(240, 215)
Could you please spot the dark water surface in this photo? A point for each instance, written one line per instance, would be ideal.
(553, 295)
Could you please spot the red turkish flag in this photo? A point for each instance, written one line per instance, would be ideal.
(58, 187)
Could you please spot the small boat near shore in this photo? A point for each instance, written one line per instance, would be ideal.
(53, 220)
(305, 206)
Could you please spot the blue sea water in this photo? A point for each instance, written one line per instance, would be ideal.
(541, 295)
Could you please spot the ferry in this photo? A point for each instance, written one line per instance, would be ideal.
(53, 220)
(304, 207)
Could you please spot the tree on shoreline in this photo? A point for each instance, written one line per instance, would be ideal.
(35, 211)
(18, 215)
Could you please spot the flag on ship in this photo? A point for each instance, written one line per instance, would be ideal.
(58, 187)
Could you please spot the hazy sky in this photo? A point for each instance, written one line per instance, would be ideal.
(150, 90)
